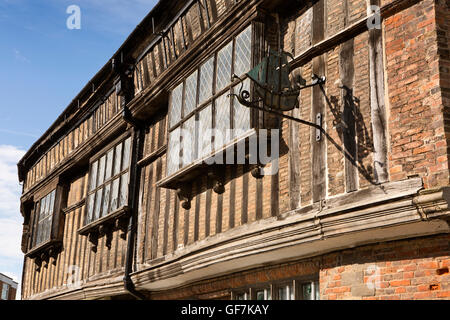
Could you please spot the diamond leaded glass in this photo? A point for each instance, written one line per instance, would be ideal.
(224, 60)
(190, 93)
(175, 108)
(206, 80)
(243, 52)
(188, 141)
(173, 161)
(241, 121)
(204, 132)
(223, 125)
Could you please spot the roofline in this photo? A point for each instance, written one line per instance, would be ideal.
(12, 280)
(88, 87)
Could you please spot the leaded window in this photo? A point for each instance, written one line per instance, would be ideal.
(108, 182)
(44, 212)
(202, 104)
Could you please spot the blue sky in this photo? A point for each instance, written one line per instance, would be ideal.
(43, 66)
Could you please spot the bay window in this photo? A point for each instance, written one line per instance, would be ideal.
(44, 215)
(203, 117)
(108, 182)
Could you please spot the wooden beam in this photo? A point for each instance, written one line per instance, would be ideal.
(377, 102)
(347, 72)
(318, 107)
(348, 33)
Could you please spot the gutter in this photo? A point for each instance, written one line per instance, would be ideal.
(133, 200)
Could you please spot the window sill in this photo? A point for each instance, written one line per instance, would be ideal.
(191, 171)
(44, 252)
(182, 179)
(105, 226)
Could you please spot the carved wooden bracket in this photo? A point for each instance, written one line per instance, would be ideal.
(93, 239)
(122, 225)
(46, 254)
(218, 180)
(184, 194)
(106, 226)
(257, 172)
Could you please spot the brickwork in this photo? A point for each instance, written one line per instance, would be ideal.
(408, 269)
(418, 144)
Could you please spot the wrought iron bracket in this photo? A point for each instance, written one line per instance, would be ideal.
(244, 96)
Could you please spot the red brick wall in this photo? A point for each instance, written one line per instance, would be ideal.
(402, 270)
(418, 144)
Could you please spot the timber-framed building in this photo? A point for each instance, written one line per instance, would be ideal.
(360, 211)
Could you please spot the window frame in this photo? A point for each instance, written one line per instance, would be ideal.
(97, 157)
(49, 248)
(209, 103)
(5, 292)
(296, 283)
(38, 220)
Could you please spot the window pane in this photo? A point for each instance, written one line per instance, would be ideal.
(175, 108)
(317, 290)
(263, 294)
(115, 195)
(222, 118)
(307, 291)
(52, 202)
(47, 205)
(190, 92)
(286, 292)
(109, 162)
(173, 161)
(101, 171)
(90, 209)
(118, 159)
(5, 291)
(98, 203)
(93, 180)
(188, 141)
(241, 121)
(241, 296)
(206, 80)
(224, 60)
(123, 200)
(106, 198)
(243, 52)
(43, 208)
(47, 223)
(126, 154)
(204, 132)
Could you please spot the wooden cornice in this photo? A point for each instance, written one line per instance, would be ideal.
(314, 230)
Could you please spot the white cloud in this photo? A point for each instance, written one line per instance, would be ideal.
(20, 57)
(10, 218)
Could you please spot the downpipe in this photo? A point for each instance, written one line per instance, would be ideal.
(133, 200)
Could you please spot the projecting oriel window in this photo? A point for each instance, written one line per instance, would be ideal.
(44, 213)
(108, 182)
(201, 104)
